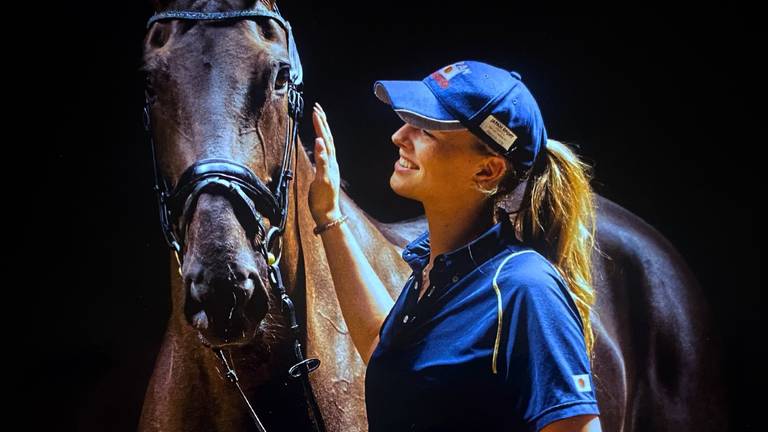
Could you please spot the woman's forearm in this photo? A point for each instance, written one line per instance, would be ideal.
(364, 300)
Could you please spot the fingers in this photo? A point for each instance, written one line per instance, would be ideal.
(317, 122)
(322, 156)
(321, 144)
(323, 130)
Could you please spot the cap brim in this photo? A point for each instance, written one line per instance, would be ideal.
(415, 103)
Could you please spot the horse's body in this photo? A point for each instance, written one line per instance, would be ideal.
(654, 367)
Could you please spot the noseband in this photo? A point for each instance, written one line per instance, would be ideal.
(251, 199)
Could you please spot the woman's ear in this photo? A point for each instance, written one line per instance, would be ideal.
(490, 170)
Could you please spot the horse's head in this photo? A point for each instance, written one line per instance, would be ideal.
(217, 92)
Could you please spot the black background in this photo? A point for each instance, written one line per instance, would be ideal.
(657, 103)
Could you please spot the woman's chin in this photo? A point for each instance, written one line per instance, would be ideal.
(401, 188)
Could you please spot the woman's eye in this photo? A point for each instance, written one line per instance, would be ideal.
(283, 76)
(427, 133)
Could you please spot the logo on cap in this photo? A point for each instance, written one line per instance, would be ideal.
(444, 75)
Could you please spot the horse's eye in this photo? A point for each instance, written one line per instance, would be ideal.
(283, 76)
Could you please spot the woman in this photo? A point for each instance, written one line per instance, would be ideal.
(492, 329)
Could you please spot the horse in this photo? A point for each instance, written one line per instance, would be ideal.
(220, 92)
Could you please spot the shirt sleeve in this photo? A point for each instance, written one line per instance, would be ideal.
(548, 373)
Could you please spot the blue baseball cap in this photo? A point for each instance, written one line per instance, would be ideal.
(492, 103)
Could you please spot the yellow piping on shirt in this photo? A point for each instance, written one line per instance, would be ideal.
(499, 311)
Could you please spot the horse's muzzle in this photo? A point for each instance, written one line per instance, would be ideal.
(225, 308)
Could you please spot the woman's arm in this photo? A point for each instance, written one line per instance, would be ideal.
(362, 296)
(581, 423)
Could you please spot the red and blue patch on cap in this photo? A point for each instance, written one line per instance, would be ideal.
(443, 76)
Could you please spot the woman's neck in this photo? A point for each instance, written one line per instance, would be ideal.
(454, 224)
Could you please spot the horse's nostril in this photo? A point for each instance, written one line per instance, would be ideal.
(197, 291)
(237, 276)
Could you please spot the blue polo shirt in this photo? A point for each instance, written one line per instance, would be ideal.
(471, 355)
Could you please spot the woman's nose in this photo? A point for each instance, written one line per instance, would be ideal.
(401, 137)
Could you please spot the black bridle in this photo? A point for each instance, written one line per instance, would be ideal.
(250, 197)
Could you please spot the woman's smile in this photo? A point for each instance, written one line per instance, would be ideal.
(403, 164)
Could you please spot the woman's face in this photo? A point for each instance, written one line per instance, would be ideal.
(440, 163)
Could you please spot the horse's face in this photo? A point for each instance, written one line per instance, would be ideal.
(218, 90)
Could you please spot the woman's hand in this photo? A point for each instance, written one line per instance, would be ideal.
(324, 190)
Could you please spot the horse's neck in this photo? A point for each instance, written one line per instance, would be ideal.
(339, 382)
(188, 391)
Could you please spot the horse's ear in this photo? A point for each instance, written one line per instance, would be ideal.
(297, 73)
(271, 4)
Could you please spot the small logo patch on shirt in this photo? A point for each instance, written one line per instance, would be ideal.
(582, 383)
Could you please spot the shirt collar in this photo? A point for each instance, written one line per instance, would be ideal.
(461, 261)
